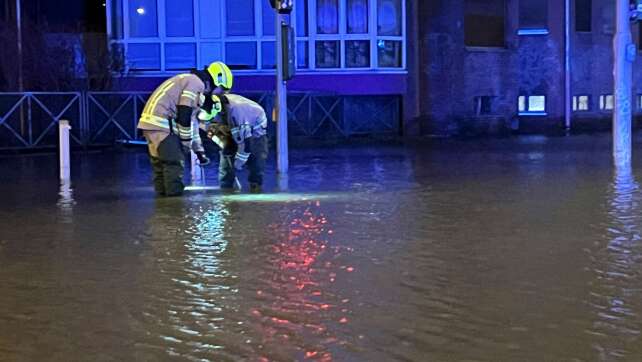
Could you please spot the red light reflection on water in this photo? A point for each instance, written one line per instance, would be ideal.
(299, 305)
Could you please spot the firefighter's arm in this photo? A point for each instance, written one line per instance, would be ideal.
(241, 156)
(188, 102)
(184, 123)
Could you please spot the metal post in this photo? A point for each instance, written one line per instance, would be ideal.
(63, 145)
(624, 54)
(567, 68)
(19, 37)
(281, 101)
(20, 77)
(197, 172)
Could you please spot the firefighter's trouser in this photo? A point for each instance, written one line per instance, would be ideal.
(168, 167)
(258, 149)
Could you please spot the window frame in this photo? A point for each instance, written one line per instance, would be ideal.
(478, 47)
(576, 103)
(526, 111)
(603, 102)
(522, 30)
(258, 38)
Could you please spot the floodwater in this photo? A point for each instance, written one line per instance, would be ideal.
(523, 249)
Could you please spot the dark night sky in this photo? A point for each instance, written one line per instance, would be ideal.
(62, 13)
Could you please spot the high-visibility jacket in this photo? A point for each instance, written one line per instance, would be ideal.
(246, 119)
(160, 109)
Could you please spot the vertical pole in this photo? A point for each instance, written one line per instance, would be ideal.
(20, 78)
(19, 38)
(567, 65)
(624, 54)
(197, 172)
(281, 101)
(63, 144)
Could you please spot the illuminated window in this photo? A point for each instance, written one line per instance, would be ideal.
(581, 103)
(606, 102)
(337, 35)
(532, 105)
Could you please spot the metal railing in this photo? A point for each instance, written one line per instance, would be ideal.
(28, 120)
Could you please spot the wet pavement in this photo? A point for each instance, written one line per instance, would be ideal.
(523, 249)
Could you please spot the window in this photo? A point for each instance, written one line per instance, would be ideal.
(484, 23)
(357, 54)
(337, 35)
(211, 52)
(581, 103)
(179, 18)
(606, 102)
(210, 19)
(144, 56)
(180, 56)
(327, 16)
(532, 105)
(483, 105)
(583, 15)
(269, 23)
(302, 54)
(328, 54)
(389, 17)
(357, 16)
(116, 19)
(241, 55)
(301, 11)
(239, 17)
(268, 56)
(533, 14)
(389, 53)
(143, 18)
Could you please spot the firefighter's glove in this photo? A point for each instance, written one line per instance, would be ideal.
(240, 159)
(203, 160)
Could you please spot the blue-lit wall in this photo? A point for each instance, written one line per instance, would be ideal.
(467, 89)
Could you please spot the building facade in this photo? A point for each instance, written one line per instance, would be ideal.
(451, 67)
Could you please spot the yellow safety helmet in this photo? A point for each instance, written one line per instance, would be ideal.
(221, 74)
(217, 107)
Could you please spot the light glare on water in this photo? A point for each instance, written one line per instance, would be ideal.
(510, 250)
